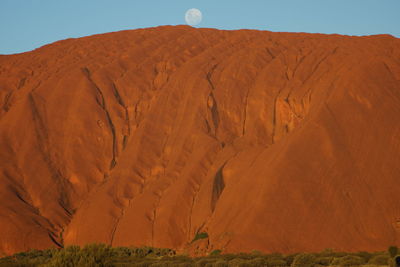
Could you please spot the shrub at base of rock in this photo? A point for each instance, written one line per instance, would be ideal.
(304, 260)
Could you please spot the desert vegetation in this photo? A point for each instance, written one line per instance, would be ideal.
(201, 235)
(100, 255)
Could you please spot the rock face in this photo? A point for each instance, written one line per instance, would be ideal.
(265, 141)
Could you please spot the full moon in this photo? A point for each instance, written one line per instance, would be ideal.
(193, 16)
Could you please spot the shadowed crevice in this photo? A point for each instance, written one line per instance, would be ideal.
(21, 83)
(42, 138)
(53, 239)
(127, 119)
(212, 103)
(218, 187)
(102, 103)
(7, 101)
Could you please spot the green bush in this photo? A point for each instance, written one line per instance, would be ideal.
(122, 252)
(327, 253)
(365, 255)
(258, 262)
(96, 255)
(163, 264)
(289, 259)
(203, 262)
(215, 252)
(325, 261)
(201, 235)
(256, 252)
(228, 257)
(142, 264)
(245, 256)
(185, 264)
(275, 262)
(181, 258)
(379, 260)
(238, 262)
(150, 251)
(304, 260)
(393, 250)
(332, 253)
(221, 263)
(350, 260)
(92, 255)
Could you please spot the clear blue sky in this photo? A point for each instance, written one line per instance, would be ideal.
(28, 24)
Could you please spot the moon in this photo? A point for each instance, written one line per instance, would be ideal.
(193, 16)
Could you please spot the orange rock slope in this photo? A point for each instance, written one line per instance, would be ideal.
(266, 141)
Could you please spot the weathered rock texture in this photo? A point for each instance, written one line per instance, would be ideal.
(268, 141)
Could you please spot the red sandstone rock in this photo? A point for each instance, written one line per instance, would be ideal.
(268, 141)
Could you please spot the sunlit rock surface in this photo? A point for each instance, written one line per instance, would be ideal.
(266, 141)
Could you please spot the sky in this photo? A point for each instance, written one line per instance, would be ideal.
(29, 24)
